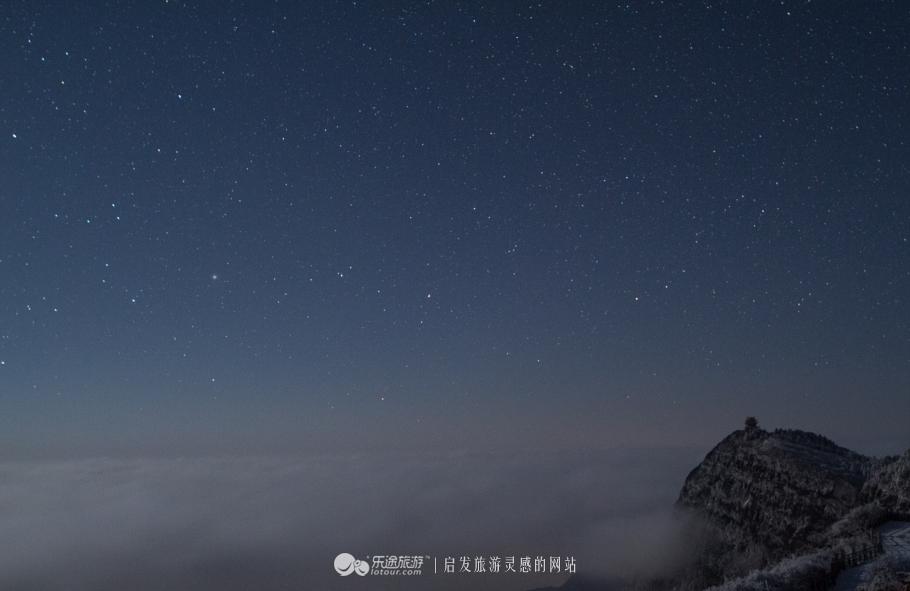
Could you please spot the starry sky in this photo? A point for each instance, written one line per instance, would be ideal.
(268, 226)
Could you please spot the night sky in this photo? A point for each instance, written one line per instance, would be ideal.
(275, 226)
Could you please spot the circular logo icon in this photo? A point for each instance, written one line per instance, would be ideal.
(361, 567)
(346, 564)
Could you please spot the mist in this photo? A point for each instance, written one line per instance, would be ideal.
(278, 522)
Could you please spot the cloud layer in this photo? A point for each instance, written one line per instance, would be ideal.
(277, 523)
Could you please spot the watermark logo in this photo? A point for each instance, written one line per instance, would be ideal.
(398, 565)
(345, 564)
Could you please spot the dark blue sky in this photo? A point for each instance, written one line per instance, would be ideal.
(247, 226)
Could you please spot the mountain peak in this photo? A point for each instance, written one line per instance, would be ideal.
(779, 490)
(761, 496)
(767, 495)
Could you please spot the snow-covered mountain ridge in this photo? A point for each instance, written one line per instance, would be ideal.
(764, 500)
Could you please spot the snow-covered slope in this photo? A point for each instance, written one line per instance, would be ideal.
(769, 495)
(777, 506)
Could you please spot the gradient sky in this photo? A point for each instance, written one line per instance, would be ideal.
(251, 226)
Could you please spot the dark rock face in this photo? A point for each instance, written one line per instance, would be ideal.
(764, 496)
(759, 497)
(769, 495)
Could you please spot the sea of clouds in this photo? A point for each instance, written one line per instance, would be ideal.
(267, 523)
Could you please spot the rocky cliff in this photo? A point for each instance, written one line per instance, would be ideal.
(759, 497)
(766, 495)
